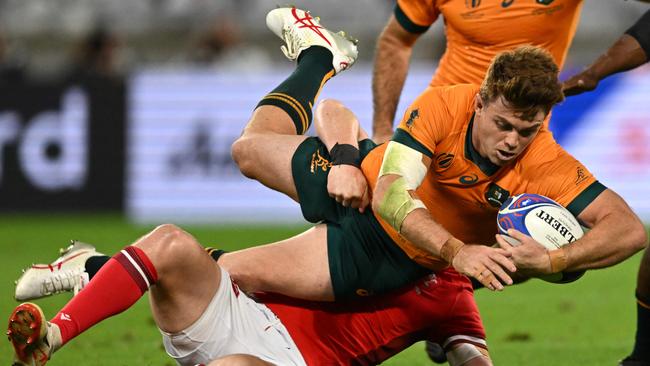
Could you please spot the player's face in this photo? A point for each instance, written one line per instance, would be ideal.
(499, 134)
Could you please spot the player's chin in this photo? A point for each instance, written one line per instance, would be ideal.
(501, 157)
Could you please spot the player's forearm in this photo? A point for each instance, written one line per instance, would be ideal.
(335, 123)
(624, 55)
(389, 73)
(425, 233)
(614, 238)
(629, 51)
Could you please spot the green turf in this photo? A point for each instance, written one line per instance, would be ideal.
(590, 322)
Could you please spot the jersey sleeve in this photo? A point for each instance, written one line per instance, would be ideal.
(567, 181)
(416, 16)
(425, 123)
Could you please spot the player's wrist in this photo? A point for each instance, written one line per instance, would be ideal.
(558, 260)
(345, 154)
(450, 249)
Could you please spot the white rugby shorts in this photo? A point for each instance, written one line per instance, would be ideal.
(233, 323)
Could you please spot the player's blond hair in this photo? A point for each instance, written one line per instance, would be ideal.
(526, 78)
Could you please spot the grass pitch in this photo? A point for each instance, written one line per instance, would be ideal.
(590, 322)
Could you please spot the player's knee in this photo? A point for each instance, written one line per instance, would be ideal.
(466, 354)
(166, 241)
(242, 154)
(330, 106)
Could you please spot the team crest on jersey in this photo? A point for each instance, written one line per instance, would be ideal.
(495, 195)
(318, 161)
(444, 160)
(580, 175)
(412, 117)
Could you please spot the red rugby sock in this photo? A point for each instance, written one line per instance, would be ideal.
(117, 286)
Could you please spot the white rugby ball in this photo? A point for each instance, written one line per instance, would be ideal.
(546, 221)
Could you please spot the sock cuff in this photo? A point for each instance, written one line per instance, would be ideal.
(138, 266)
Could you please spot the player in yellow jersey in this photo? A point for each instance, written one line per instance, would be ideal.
(436, 188)
(476, 31)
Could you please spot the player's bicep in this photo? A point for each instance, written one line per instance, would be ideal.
(605, 203)
(402, 171)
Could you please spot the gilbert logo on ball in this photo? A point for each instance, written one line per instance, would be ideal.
(546, 221)
(540, 217)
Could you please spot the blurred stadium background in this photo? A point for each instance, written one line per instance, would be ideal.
(117, 115)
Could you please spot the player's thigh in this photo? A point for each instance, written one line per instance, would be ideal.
(296, 267)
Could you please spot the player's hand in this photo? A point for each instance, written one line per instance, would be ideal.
(530, 257)
(579, 83)
(488, 265)
(348, 186)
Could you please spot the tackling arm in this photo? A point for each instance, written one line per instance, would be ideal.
(393, 53)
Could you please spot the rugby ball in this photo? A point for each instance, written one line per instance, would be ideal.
(546, 221)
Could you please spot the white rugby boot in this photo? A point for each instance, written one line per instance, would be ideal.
(66, 274)
(300, 30)
(34, 339)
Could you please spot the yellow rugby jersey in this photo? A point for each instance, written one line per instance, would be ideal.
(477, 30)
(464, 191)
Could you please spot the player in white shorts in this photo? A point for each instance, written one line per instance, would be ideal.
(244, 327)
(206, 320)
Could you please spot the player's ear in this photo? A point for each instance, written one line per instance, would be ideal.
(478, 103)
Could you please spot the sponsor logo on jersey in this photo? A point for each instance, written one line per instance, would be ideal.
(412, 117)
(472, 3)
(318, 161)
(468, 179)
(444, 160)
(496, 196)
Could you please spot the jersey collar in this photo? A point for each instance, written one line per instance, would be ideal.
(486, 166)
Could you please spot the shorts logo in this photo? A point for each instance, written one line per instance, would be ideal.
(318, 161)
(412, 117)
(444, 160)
(468, 179)
(363, 292)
